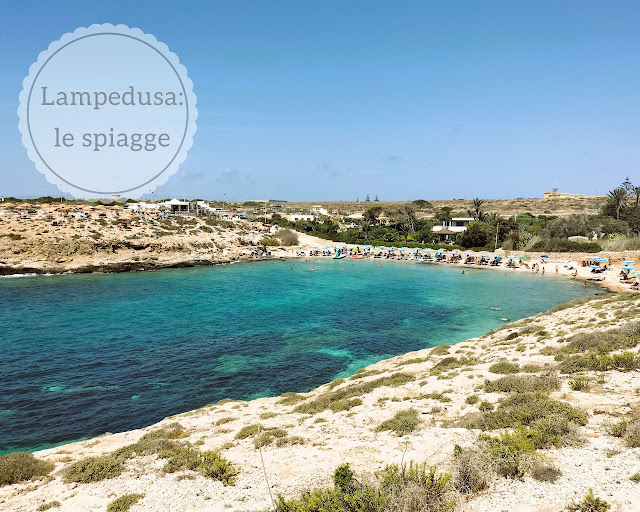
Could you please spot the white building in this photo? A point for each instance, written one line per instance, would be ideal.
(142, 206)
(450, 228)
(319, 210)
(300, 216)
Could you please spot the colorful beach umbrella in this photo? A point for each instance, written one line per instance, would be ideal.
(523, 258)
(544, 256)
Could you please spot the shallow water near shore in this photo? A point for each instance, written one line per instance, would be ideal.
(88, 354)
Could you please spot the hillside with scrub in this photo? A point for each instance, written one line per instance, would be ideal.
(587, 225)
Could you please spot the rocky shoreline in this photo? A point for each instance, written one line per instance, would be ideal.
(303, 437)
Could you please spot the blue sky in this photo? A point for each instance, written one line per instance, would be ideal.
(333, 100)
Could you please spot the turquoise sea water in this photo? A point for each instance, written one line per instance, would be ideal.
(88, 354)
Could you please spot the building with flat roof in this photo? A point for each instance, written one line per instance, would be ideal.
(450, 228)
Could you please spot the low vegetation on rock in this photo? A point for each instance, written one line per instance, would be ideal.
(17, 467)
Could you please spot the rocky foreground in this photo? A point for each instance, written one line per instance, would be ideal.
(563, 385)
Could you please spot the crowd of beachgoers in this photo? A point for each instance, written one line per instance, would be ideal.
(615, 271)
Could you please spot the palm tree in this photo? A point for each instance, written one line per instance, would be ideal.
(617, 197)
(477, 212)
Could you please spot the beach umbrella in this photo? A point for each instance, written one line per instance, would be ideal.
(594, 266)
(636, 272)
(628, 262)
(498, 257)
(511, 257)
(523, 258)
(601, 260)
(628, 267)
(314, 246)
(544, 256)
(468, 253)
(301, 247)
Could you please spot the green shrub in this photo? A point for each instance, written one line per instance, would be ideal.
(532, 368)
(553, 431)
(48, 506)
(523, 408)
(290, 399)
(632, 435)
(618, 429)
(440, 350)
(418, 486)
(589, 504)
(523, 383)
(93, 469)
(248, 431)
(215, 466)
(402, 423)
(635, 477)
(545, 472)
(625, 362)
(179, 457)
(449, 363)
(347, 495)
(17, 467)
(343, 478)
(470, 470)
(504, 367)
(162, 443)
(579, 384)
(326, 400)
(287, 237)
(604, 341)
(485, 406)
(268, 436)
(172, 431)
(564, 245)
(344, 405)
(472, 399)
(288, 441)
(269, 240)
(123, 503)
(336, 383)
(505, 453)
